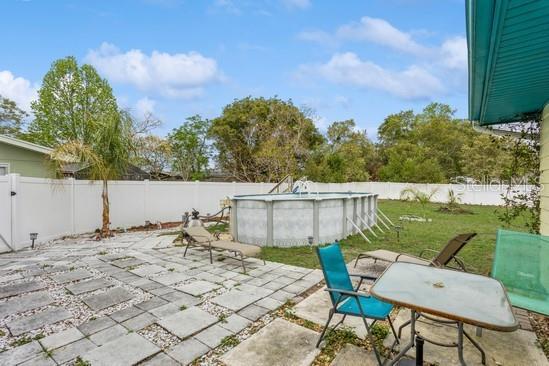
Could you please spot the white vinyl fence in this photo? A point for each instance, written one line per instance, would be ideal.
(54, 208)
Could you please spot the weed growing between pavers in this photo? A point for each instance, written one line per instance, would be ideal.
(230, 341)
(80, 362)
(334, 340)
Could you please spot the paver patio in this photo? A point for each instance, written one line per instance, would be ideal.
(131, 299)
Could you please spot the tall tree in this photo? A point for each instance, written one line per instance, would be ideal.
(70, 99)
(11, 117)
(76, 114)
(190, 148)
(260, 139)
(346, 156)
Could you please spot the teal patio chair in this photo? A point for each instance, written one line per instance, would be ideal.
(521, 263)
(346, 299)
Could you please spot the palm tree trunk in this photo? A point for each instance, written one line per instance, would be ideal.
(105, 229)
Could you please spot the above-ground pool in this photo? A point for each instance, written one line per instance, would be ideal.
(287, 220)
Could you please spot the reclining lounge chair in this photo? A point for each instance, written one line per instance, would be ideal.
(442, 259)
(199, 236)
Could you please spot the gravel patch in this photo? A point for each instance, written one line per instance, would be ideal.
(159, 336)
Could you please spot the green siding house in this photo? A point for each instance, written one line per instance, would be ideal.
(25, 158)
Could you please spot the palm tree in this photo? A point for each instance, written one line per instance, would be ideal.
(105, 155)
(414, 194)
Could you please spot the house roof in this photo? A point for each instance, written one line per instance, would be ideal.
(25, 144)
(508, 42)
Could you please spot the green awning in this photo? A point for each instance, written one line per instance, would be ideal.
(508, 42)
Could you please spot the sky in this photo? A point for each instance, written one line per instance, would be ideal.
(361, 59)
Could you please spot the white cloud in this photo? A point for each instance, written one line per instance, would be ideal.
(18, 89)
(414, 82)
(454, 53)
(145, 106)
(317, 36)
(179, 75)
(297, 4)
(381, 32)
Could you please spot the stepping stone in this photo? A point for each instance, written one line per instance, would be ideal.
(316, 308)
(198, 288)
(187, 351)
(188, 322)
(125, 314)
(127, 262)
(61, 339)
(50, 316)
(96, 325)
(235, 299)
(253, 312)
(72, 350)
(212, 336)
(139, 322)
(23, 303)
(351, 355)
(88, 286)
(20, 288)
(124, 351)
(112, 297)
(109, 334)
(151, 304)
(71, 276)
(41, 360)
(235, 323)
(264, 347)
(149, 270)
(171, 278)
(20, 354)
(161, 359)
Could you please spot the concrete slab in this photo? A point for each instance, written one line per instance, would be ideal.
(60, 339)
(187, 351)
(151, 304)
(139, 322)
(41, 360)
(236, 299)
(72, 350)
(20, 354)
(127, 262)
(124, 351)
(213, 335)
(515, 348)
(161, 359)
(235, 323)
(96, 325)
(188, 322)
(198, 288)
(38, 320)
(125, 314)
(112, 297)
(88, 286)
(20, 288)
(148, 270)
(24, 303)
(351, 355)
(253, 312)
(171, 278)
(264, 347)
(107, 335)
(317, 307)
(71, 276)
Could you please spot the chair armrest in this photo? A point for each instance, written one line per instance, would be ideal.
(347, 293)
(363, 276)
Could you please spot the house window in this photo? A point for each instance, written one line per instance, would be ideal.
(4, 169)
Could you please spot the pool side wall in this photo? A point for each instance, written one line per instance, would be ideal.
(280, 222)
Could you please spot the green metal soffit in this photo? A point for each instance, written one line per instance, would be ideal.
(508, 43)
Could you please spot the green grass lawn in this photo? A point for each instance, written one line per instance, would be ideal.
(415, 236)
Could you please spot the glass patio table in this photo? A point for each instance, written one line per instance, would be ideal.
(458, 297)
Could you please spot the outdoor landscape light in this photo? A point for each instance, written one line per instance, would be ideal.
(310, 240)
(33, 237)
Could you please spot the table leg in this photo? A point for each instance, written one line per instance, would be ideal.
(460, 344)
(410, 344)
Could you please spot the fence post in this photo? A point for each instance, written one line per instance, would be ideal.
(145, 199)
(14, 190)
(73, 203)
